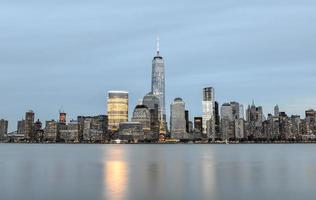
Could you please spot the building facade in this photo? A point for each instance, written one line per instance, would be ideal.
(158, 82)
(117, 107)
(208, 108)
(3, 128)
(131, 131)
(177, 118)
(141, 114)
(29, 125)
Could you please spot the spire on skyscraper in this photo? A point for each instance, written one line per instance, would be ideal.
(158, 45)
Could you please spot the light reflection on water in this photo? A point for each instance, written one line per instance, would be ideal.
(157, 172)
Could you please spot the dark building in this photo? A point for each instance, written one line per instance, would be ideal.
(198, 126)
(38, 131)
(3, 128)
(187, 121)
(217, 120)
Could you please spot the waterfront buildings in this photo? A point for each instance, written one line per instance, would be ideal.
(51, 131)
(94, 128)
(208, 108)
(117, 107)
(177, 118)
(71, 132)
(131, 131)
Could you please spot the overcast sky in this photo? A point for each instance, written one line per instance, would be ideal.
(69, 53)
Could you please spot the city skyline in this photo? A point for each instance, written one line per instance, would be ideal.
(43, 66)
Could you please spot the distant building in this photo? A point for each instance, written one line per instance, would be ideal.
(276, 110)
(208, 108)
(239, 128)
(158, 82)
(62, 117)
(51, 131)
(21, 127)
(94, 128)
(117, 109)
(131, 131)
(3, 128)
(177, 118)
(227, 121)
(241, 112)
(217, 120)
(141, 114)
(38, 131)
(151, 101)
(198, 124)
(29, 125)
(72, 132)
(254, 124)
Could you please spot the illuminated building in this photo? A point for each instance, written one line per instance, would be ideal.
(117, 107)
(62, 117)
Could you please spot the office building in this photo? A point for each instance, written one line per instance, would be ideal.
(177, 117)
(117, 106)
(141, 114)
(208, 108)
(158, 82)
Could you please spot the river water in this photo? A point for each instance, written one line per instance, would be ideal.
(157, 171)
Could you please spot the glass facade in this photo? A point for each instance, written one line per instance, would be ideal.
(117, 107)
(158, 83)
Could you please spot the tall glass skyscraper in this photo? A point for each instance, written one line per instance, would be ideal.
(208, 106)
(158, 82)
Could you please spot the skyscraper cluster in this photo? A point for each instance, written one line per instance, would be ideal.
(217, 123)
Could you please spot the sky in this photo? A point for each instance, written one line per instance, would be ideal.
(68, 53)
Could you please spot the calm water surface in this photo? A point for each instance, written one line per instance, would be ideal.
(51, 172)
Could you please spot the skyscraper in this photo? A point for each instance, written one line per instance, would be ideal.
(276, 110)
(177, 118)
(151, 101)
(29, 125)
(117, 109)
(208, 106)
(158, 82)
(3, 128)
